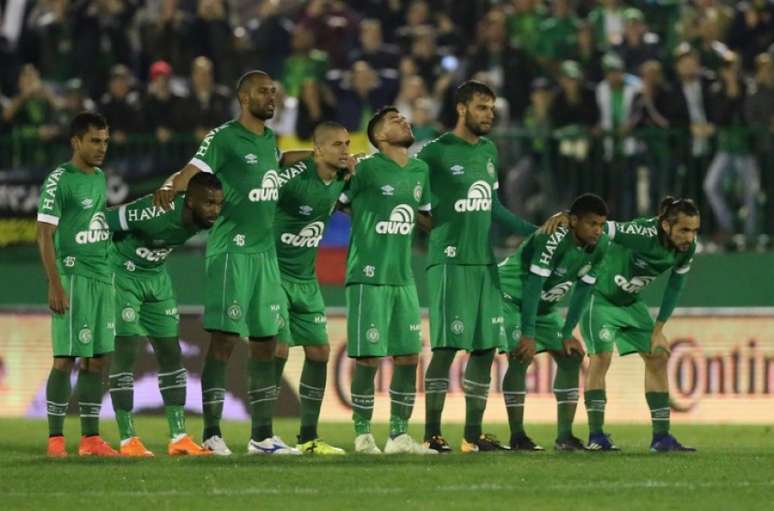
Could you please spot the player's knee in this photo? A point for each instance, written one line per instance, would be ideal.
(281, 350)
(94, 364)
(222, 345)
(64, 364)
(262, 348)
(656, 363)
(368, 361)
(569, 362)
(318, 353)
(406, 359)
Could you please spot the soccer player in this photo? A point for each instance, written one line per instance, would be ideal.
(640, 251)
(243, 283)
(73, 238)
(388, 195)
(466, 306)
(146, 305)
(308, 197)
(534, 279)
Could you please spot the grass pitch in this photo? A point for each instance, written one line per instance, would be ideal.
(734, 469)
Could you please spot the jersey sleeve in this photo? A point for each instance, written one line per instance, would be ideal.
(632, 235)
(354, 185)
(542, 258)
(209, 155)
(51, 199)
(426, 199)
(130, 217)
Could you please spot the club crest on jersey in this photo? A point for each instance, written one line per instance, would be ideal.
(457, 170)
(556, 293)
(98, 230)
(87, 203)
(479, 198)
(418, 192)
(305, 210)
(269, 190)
(401, 221)
(388, 190)
(309, 236)
(251, 159)
(490, 168)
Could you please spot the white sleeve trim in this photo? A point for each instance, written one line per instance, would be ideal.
(588, 279)
(343, 198)
(496, 185)
(424, 207)
(683, 269)
(201, 165)
(537, 270)
(48, 219)
(610, 229)
(122, 218)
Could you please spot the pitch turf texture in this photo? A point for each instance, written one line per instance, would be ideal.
(733, 470)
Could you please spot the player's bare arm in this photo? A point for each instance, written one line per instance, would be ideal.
(57, 298)
(176, 183)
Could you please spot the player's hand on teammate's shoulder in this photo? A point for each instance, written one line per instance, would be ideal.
(352, 162)
(560, 219)
(573, 345)
(57, 298)
(525, 350)
(163, 197)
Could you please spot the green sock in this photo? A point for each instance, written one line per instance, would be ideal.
(213, 395)
(475, 383)
(121, 382)
(658, 402)
(362, 391)
(279, 367)
(595, 409)
(311, 391)
(436, 387)
(262, 394)
(89, 391)
(173, 380)
(567, 393)
(57, 397)
(514, 393)
(403, 391)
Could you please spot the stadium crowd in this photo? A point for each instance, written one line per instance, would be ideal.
(630, 100)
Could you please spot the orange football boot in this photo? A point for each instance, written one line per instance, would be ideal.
(185, 446)
(95, 446)
(134, 449)
(56, 447)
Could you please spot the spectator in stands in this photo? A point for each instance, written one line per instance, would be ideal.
(752, 30)
(121, 106)
(734, 158)
(162, 107)
(50, 40)
(423, 122)
(166, 33)
(638, 45)
(208, 104)
(759, 110)
(424, 53)
(74, 101)
(711, 49)
(214, 39)
(524, 21)
(608, 22)
(411, 89)
(557, 35)
(304, 63)
(380, 56)
(587, 54)
(271, 34)
(359, 94)
(335, 28)
(417, 19)
(316, 104)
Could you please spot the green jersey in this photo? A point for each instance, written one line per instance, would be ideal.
(385, 198)
(247, 165)
(463, 178)
(306, 203)
(637, 256)
(558, 259)
(74, 201)
(145, 234)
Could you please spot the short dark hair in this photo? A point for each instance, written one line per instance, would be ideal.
(324, 126)
(85, 120)
(205, 180)
(376, 120)
(671, 207)
(248, 77)
(588, 203)
(465, 92)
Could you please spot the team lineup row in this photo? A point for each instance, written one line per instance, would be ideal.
(266, 214)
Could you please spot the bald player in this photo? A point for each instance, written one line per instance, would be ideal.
(243, 287)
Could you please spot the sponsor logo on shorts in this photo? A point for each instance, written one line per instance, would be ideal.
(457, 326)
(633, 286)
(372, 335)
(274, 307)
(98, 231)
(269, 190)
(418, 192)
(234, 311)
(171, 312)
(479, 198)
(111, 325)
(129, 265)
(128, 314)
(606, 334)
(401, 221)
(320, 319)
(556, 293)
(498, 320)
(415, 327)
(85, 335)
(69, 261)
(309, 236)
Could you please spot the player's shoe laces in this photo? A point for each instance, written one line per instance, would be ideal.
(272, 445)
(438, 443)
(601, 442)
(318, 446)
(133, 448)
(570, 444)
(485, 443)
(95, 446)
(56, 447)
(365, 444)
(404, 444)
(524, 443)
(185, 446)
(217, 446)
(667, 443)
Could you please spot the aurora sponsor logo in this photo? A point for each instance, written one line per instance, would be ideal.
(479, 198)
(309, 236)
(153, 256)
(556, 293)
(269, 190)
(98, 231)
(401, 221)
(633, 286)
